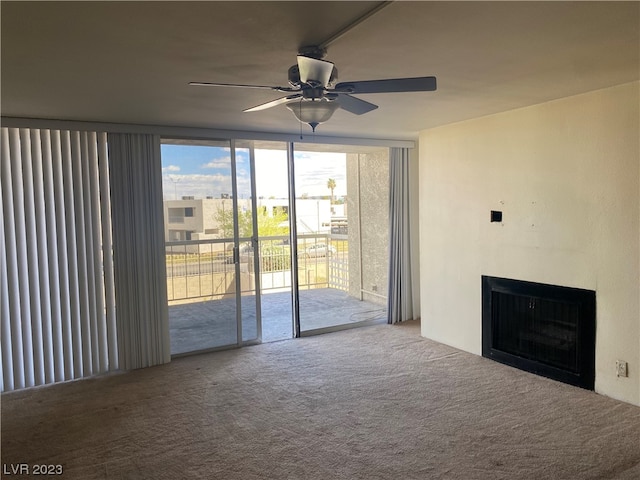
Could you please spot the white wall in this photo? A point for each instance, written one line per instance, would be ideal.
(566, 175)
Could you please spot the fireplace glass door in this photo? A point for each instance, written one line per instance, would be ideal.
(544, 329)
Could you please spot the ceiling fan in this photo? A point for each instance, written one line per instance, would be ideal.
(313, 94)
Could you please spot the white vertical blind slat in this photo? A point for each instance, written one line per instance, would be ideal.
(72, 254)
(5, 318)
(52, 256)
(13, 370)
(83, 345)
(63, 246)
(99, 334)
(90, 253)
(44, 300)
(107, 254)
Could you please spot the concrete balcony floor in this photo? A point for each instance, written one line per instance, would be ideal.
(212, 323)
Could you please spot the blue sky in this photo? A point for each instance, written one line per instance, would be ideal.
(206, 171)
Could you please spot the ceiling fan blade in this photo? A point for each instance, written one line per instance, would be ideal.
(238, 85)
(353, 104)
(314, 72)
(417, 84)
(273, 103)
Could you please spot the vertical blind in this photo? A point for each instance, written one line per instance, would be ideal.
(400, 297)
(141, 287)
(82, 267)
(57, 289)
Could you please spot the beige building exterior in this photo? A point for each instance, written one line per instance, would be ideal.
(191, 219)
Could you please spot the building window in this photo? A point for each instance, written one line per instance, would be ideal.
(176, 215)
(188, 212)
(175, 235)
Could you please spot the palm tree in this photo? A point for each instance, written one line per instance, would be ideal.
(331, 185)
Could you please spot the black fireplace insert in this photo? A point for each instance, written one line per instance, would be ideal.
(545, 329)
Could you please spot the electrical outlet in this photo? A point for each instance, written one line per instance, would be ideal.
(621, 368)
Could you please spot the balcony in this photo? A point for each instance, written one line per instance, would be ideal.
(202, 289)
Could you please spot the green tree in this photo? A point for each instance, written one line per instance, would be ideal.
(268, 225)
(331, 185)
(273, 225)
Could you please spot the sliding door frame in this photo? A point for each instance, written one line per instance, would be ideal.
(255, 244)
(293, 241)
(236, 241)
(253, 240)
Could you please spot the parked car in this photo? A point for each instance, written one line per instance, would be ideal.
(319, 250)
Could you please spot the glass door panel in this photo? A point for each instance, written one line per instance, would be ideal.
(200, 215)
(247, 239)
(274, 251)
(342, 235)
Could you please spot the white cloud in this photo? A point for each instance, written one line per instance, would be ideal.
(224, 162)
(170, 168)
(312, 173)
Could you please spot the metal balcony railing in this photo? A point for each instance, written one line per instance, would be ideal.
(198, 269)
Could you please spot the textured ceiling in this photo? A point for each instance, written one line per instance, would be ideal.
(130, 62)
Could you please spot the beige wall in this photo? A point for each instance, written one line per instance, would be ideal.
(566, 175)
(368, 207)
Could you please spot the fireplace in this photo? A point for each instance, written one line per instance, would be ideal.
(545, 329)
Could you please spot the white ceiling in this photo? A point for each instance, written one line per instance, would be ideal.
(130, 62)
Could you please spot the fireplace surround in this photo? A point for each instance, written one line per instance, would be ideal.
(545, 329)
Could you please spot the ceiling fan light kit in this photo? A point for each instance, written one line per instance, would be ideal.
(313, 112)
(312, 96)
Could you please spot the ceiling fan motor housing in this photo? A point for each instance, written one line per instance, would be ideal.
(315, 93)
(294, 76)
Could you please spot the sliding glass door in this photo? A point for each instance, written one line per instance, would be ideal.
(209, 235)
(269, 240)
(342, 222)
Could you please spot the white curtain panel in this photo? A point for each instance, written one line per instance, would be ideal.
(400, 299)
(139, 250)
(56, 276)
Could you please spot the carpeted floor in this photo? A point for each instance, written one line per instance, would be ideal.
(378, 402)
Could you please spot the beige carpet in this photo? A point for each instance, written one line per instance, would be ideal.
(371, 403)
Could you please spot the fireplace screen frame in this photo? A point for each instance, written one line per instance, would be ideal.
(579, 301)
